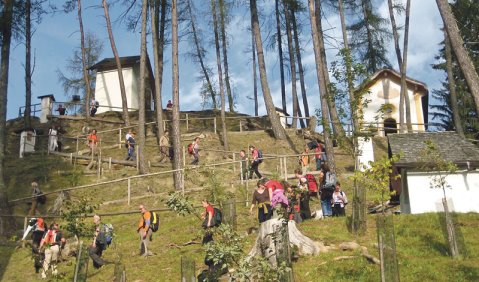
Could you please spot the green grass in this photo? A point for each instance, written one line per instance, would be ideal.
(421, 245)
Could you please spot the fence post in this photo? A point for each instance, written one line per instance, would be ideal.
(129, 190)
(187, 123)
(214, 124)
(109, 164)
(77, 145)
(71, 157)
(241, 126)
(119, 138)
(281, 171)
(285, 164)
(25, 222)
(241, 173)
(234, 160)
(137, 159)
(184, 156)
(183, 181)
(188, 270)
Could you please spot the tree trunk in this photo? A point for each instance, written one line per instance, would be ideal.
(126, 117)
(225, 55)
(158, 38)
(292, 64)
(278, 130)
(451, 231)
(457, 44)
(266, 244)
(322, 85)
(366, 10)
(28, 68)
(177, 155)
(404, 91)
(220, 75)
(255, 76)
(300, 67)
(200, 57)
(143, 168)
(6, 223)
(338, 129)
(399, 59)
(280, 55)
(83, 59)
(452, 87)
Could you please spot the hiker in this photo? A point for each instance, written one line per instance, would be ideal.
(262, 201)
(293, 210)
(51, 242)
(318, 155)
(127, 136)
(308, 181)
(208, 221)
(195, 151)
(339, 201)
(93, 107)
(131, 147)
(38, 198)
(144, 231)
(37, 226)
(256, 160)
(61, 110)
(99, 243)
(328, 182)
(276, 193)
(164, 146)
(169, 105)
(92, 140)
(304, 160)
(304, 209)
(52, 139)
(244, 164)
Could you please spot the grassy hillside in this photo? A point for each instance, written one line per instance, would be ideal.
(421, 245)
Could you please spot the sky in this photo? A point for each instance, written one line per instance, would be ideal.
(57, 36)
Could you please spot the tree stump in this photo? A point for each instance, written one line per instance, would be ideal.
(267, 243)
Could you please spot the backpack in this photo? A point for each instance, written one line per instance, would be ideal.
(330, 180)
(217, 217)
(41, 198)
(108, 229)
(154, 221)
(260, 156)
(97, 104)
(312, 183)
(190, 148)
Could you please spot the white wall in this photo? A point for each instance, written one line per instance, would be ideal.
(107, 90)
(463, 196)
(367, 152)
(377, 99)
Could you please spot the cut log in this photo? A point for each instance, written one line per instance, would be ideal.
(269, 230)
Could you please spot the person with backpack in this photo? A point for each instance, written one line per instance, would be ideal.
(257, 158)
(92, 140)
(131, 147)
(318, 155)
(328, 184)
(144, 231)
(93, 107)
(339, 201)
(262, 201)
(101, 239)
(308, 181)
(51, 242)
(37, 227)
(304, 160)
(194, 150)
(208, 221)
(38, 199)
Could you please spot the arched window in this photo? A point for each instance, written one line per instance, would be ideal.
(390, 126)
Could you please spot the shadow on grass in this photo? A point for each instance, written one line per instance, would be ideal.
(6, 249)
(459, 235)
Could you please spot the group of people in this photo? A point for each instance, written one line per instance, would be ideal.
(293, 201)
(47, 244)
